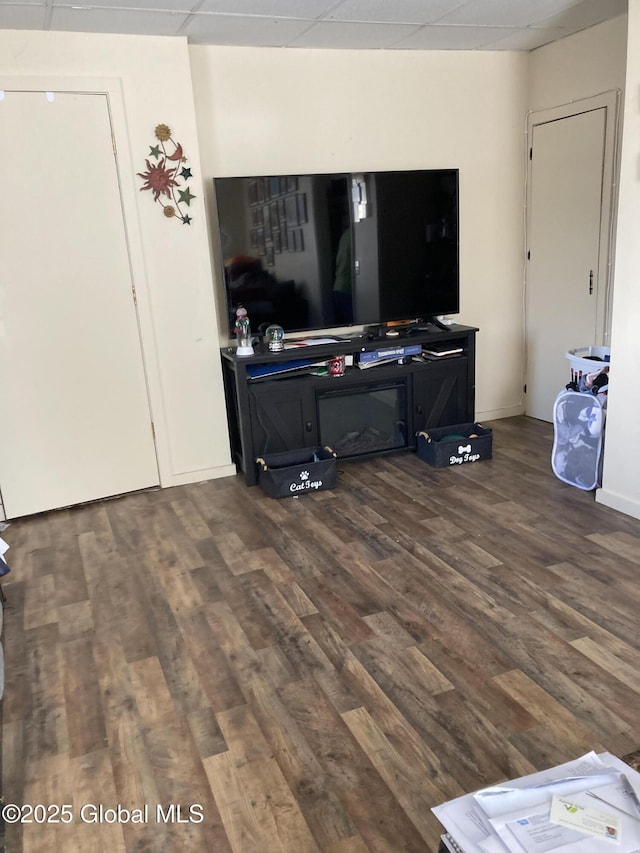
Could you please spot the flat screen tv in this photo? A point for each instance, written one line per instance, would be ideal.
(319, 251)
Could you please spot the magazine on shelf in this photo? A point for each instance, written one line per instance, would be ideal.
(309, 342)
(280, 368)
(390, 353)
(365, 365)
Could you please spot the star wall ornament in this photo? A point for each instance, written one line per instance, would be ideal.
(186, 197)
(167, 177)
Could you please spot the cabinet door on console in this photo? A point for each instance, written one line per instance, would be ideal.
(441, 395)
(282, 417)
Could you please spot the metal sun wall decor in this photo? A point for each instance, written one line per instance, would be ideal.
(164, 176)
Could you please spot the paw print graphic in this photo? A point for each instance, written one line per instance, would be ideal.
(304, 475)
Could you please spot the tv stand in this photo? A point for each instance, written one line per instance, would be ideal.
(364, 413)
(373, 333)
(433, 321)
(384, 332)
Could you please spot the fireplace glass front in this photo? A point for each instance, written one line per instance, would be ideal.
(356, 421)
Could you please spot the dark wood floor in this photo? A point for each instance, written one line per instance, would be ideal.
(315, 673)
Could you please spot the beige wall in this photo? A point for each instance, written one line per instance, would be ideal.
(273, 111)
(149, 82)
(579, 66)
(270, 111)
(621, 482)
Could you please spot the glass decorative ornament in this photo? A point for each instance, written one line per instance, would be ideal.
(274, 336)
(243, 333)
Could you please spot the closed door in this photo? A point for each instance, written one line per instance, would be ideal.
(75, 422)
(564, 246)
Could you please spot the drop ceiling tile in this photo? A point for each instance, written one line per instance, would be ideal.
(399, 11)
(439, 37)
(586, 14)
(15, 16)
(331, 24)
(243, 30)
(526, 39)
(133, 22)
(353, 36)
(116, 6)
(310, 9)
(504, 13)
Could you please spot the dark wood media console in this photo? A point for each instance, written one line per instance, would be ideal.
(360, 414)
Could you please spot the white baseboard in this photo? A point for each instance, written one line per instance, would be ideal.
(628, 506)
(496, 414)
(186, 477)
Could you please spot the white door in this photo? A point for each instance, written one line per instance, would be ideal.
(564, 245)
(74, 420)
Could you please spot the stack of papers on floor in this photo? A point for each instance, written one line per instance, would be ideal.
(584, 806)
(4, 568)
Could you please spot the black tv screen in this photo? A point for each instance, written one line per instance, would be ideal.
(318, 251)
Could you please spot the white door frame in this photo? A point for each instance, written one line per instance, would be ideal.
(112, 88)
(610, 101)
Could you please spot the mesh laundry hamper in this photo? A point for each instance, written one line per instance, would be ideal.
(578, 421)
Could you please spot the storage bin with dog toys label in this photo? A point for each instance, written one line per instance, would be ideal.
(455, 445)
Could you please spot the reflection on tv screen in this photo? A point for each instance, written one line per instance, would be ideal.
(312, 252)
